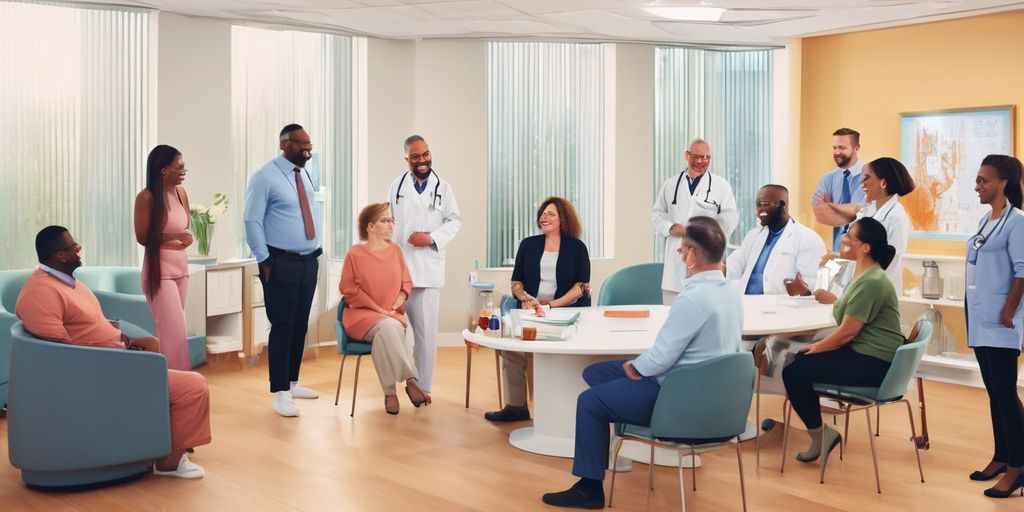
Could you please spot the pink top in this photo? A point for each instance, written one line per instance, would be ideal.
(370, 280)
(173, 262)
(53, 310)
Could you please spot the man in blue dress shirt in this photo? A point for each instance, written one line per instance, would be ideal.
(705, 321)
(283, 219)
(840, 185)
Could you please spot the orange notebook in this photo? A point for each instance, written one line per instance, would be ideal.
(627, 313)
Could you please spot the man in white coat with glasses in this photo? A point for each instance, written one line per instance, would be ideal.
(691, 193)
(426, 220)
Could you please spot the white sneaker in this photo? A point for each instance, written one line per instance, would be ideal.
(284, 405)
(300, 391)
(186, 469)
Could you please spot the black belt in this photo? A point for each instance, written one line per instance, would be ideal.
(312, 255)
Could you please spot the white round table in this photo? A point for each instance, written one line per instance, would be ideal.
(558, 365)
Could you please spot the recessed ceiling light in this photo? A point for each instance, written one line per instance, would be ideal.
(687, 13)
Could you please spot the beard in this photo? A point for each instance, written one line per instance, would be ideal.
(424, 175)
(842, 160)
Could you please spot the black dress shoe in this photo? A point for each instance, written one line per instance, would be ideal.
(509, 413)
(982, 476)
(1018, 483)
(576, 497)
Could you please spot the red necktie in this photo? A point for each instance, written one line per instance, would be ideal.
(307, 215)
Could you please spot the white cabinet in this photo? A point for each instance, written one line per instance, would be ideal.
(260, 327)
(223, 291)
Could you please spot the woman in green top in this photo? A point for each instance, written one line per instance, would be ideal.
(859, 351)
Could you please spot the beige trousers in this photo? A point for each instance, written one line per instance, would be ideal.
(391, 354)
(513, 365)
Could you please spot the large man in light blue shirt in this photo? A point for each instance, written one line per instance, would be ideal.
(705, 321)
(283, 226)
(840, 185)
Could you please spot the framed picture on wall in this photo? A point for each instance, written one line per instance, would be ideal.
(943, 150)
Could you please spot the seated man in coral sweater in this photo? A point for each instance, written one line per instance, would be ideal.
(54, 306)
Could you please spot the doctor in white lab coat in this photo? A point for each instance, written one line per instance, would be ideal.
(426, 220)
(775, 251)
(691, 193)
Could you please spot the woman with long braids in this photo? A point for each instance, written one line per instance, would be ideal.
(161, 225)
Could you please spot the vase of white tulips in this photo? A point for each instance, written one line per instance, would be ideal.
(203, 220)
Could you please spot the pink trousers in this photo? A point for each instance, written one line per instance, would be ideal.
(190, 409)
(168, 308)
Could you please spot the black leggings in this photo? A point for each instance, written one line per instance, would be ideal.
(999, 372)
(842, 366)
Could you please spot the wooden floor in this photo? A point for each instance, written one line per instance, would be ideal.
(447, 458)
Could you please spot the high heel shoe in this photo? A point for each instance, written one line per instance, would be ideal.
(391, 404)
(1018, 483)
(415, 403)
(830, 438)
(982, 476)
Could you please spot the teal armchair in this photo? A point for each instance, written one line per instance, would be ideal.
(11, 282)
(855, 398)
(84, 417)
(633, 286)
(119, 290)
(686, 421)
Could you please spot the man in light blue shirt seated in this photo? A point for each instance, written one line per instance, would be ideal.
(840, 186)
(705, 321)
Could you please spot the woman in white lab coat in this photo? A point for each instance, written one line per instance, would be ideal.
(995, 318)
(884, 181)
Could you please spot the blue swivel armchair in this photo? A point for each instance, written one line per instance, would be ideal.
(83, 417)
(119, 290)
(633, 286)
(686, 421)
(11, 282)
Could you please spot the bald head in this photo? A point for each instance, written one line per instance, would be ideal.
(698, 157)
(773, 206)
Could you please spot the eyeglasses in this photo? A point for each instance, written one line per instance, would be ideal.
(300, 142)
(699, 158)
(416, 157)
(765, 204)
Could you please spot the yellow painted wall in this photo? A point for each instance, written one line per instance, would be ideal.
(863, 80)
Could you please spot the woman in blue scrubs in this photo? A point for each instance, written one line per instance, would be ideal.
(995, 319)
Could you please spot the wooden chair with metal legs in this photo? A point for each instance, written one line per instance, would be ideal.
(696, 422)
(855, 398)
(348, 347)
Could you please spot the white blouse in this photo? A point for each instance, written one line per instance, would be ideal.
(894, 217)
(548, 285)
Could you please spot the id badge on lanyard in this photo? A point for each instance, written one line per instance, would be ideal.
(972, 254)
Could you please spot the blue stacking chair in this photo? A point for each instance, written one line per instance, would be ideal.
(633, 286)
(11, 282)
(348, 347)
(84, 417)
(855, 398)
(686, 421)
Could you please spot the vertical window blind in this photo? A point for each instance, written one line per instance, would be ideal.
(546, 137)
(724, 97)
(280, 77)
(76, 111)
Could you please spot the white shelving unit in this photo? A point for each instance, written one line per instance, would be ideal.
(933, 302)
(214, 305)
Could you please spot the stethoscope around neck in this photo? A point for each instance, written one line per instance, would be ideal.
(433, 200)
(707, 193)
(978, 240)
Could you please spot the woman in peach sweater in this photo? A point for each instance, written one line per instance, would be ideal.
(375, 284)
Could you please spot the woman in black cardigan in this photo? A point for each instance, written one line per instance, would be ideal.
(552, 269)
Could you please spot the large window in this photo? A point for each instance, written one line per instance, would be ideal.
(546, 137)
(280, 77)
(75, 119)
(724, 97)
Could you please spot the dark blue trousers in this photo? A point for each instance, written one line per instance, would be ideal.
(612, 397)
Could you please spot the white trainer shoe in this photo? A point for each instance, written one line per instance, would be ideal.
(186, 469)
(300, 391)
(284, 405)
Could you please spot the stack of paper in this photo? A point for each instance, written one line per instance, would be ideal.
(556, 325)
